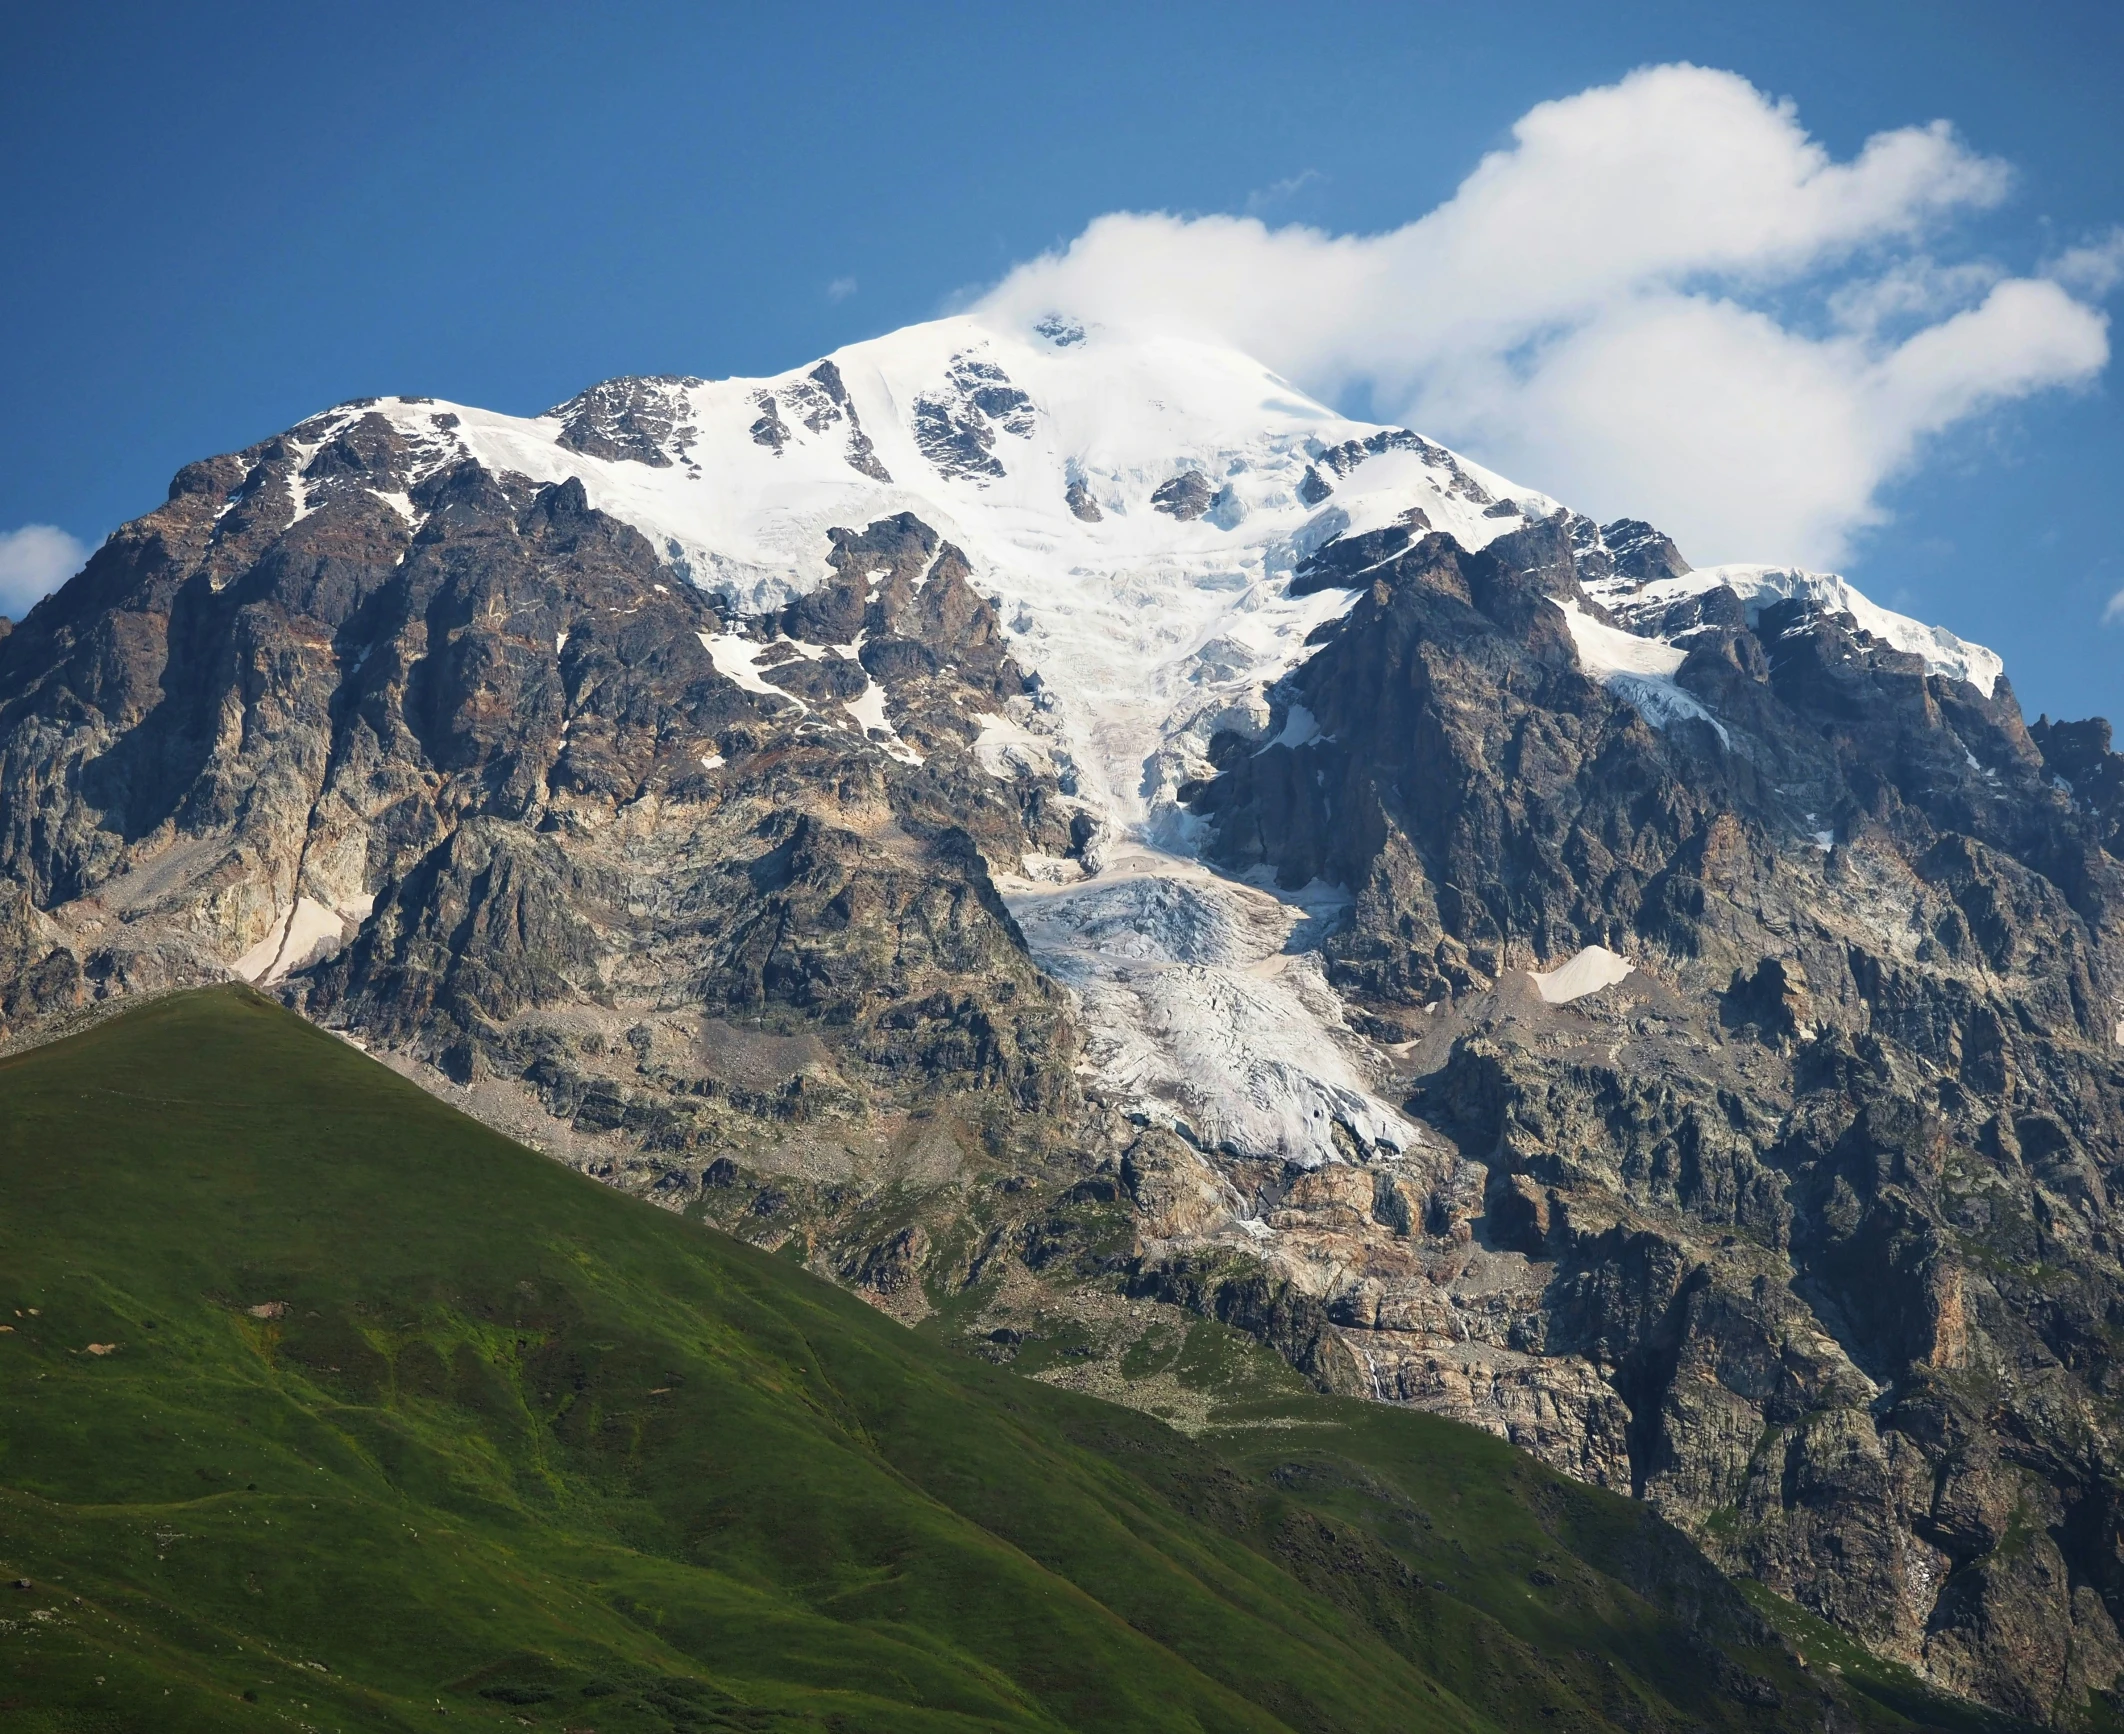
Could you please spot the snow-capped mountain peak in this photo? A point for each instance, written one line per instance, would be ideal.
(1134, 503)
(1137, 510)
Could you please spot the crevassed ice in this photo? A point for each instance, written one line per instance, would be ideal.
(1200, 1014)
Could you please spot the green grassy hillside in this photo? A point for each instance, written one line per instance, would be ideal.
(322, 1406)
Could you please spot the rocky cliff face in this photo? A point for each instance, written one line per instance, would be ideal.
(1271, 869)
(1801, 1230)
(481, 792)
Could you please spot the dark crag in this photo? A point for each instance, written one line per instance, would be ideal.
(1824, 1202)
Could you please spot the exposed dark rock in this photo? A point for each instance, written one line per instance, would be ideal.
(1802, 1232)
(482, 741)
(821, 401)
(1638, 551)
(640, 420)
(955, 427)
(1187, 495)
(769, 431)
(959, 444)
(1080, 502)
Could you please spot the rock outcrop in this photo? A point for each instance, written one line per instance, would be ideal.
(480, 791)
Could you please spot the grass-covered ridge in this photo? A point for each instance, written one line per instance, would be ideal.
(323, 1406)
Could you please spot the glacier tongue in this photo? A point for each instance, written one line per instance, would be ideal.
(1204, 1016)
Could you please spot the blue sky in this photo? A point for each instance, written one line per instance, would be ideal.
(217, 219)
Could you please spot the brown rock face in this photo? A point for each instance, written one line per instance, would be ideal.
(471, 783)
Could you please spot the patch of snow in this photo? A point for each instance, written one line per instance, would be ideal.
(1591, 970)
(308, 932)
(733, 653)
(1300, 728)
(255, 962)
(1824, 840)
(711, 761)
(299, 493)
(1606, 650)
(1005, 746)
(868, 709)
(1638, 670)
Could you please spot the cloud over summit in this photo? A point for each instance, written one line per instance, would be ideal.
(33, 560)
(1663, 298)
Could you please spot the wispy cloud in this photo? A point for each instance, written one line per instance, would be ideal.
(2115, 611)
(33, 561)
(840, 288)
(2094, 268)
(1263, 198)
(1662, 298)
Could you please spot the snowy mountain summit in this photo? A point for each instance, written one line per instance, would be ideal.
(1138, 506)
(1163, 527)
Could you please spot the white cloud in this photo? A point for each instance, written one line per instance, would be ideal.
(33, 560)
(840, 288)
(1261, 198)
(1907, 290)
(2094, 268)
(1663, 299)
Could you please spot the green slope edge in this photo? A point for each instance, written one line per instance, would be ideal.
(399, 1423)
